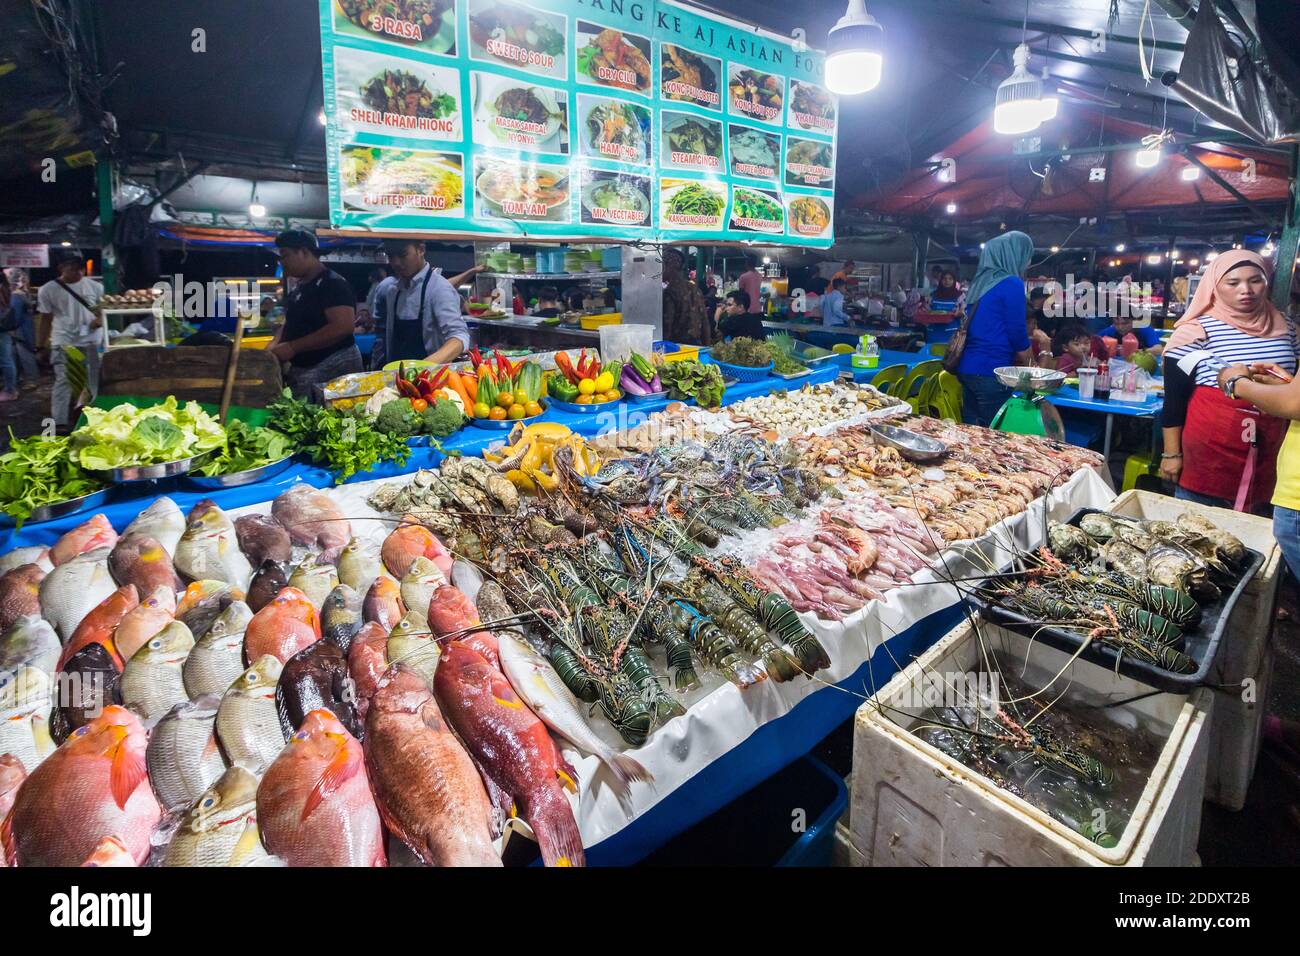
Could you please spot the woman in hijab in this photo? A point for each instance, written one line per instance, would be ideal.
(1220, 449)
(996, 332)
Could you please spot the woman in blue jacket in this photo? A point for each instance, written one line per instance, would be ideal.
(997, 334)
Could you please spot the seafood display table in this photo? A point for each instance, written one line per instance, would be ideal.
(123, 507)
(1150, 407)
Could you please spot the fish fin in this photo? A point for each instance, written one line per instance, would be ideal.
(503, 805)
(128, 770)
(551, 817)
(626, 769)
(7, 840)
(503, 693)
(344, 766)
(282, 711)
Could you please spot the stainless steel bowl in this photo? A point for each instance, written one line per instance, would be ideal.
(914, 447)
(167, 469)
(1030, 378)
(61, 509)
(237, 478)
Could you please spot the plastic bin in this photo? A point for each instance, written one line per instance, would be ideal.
(913, 805)
(1245, 654)
(787, 820)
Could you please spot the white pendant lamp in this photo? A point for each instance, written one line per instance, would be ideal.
(853, 52)
(1019, 107)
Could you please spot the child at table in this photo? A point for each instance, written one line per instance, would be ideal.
(1073, 346)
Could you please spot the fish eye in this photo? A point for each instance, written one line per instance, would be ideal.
(155, 644)
(208, 802)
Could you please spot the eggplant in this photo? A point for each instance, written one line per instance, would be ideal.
(633, 383)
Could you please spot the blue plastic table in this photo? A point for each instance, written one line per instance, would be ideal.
(1068, 397)
(888, 357)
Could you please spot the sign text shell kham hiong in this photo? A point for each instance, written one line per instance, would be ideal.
(574, 119)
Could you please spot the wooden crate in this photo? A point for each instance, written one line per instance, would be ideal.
(191, 373)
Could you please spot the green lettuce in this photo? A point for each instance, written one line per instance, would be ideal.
(125, 436)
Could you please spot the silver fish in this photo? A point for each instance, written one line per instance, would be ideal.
(535, 680)
(218, 656)
(418, 586)
(153, 681)
(248, 724)
(161, 520)
(209, 550)
(220, 827)
(316, 580)
(74, 589)
(16, 558)
(32, 641)
(413, 644)
(26, 699)
(359, 565)
(183, 757)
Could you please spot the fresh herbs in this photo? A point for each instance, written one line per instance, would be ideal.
(39, 471)
(693, 379)
(342, 442)
(750, 353)
(785, 354)
(248, 447)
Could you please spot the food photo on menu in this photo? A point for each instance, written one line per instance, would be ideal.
(375, 93)
(812, 107)
(809, 162)
(687, 141)
(692, 203)
(521, 191)
(519, 114)
(615, 199)
(613, 58)
(689, 77)
(754, 93)
(614, 129)
(516, 35)
(380, 179)
(756, 210)
(426, 25)
(808, 216)
(755, 153)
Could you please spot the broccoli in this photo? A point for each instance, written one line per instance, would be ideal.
(442, 418)
(398, 418)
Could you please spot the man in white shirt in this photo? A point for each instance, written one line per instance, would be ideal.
(64, 306)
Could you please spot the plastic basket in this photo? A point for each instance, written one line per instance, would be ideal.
(743, 373)
(592, 322)
(684, 353)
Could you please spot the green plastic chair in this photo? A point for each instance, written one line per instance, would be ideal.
(888, 377)
(939, 349)
(911, 385)
(927, 400)
(950, 396)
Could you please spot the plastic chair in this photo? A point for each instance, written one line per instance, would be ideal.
(911, 385)
(888, 377)
(939, 349)
(842, 348)
(1135, 466)
(950, 396)
(927, 401)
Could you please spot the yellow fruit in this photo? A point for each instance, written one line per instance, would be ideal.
(532, 408)
(587, 387)
(585, 399)
(515, 411)
(482, 410)
(604, 382)
(497, 414)
(613, 395)
(505, 399)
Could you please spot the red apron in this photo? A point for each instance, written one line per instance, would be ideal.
(1230, 449)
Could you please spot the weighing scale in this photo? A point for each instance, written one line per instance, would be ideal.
(1028, 412)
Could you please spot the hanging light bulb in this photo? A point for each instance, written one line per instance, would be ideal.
(951, 208)
(1153, 260)
(1055, 249)
(1051, 102)
(1147, 158)
(1019, 104)
(1120, 247)
(320, 117)
(854, 62)
(255, 209)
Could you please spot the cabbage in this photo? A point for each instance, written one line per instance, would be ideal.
(126, 436)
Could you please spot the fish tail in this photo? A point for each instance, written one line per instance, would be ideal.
(626, 769)
(551, 817)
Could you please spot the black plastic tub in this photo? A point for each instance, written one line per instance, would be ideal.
(1202, 641)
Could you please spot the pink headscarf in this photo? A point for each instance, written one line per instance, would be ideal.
(1265, 322)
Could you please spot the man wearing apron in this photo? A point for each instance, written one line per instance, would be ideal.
(421, 314)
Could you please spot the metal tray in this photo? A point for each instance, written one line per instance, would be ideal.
(577, 409)
(912, 446)
(805, 372)
(237, 478)
(1202, 642)
(507, 423)
(61, 509)
(167, 469)
(653, 396)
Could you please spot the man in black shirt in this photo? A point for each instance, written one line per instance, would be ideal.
(320, 312)
(735, 319)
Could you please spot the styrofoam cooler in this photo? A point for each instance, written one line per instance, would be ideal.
(1245, 660)
(913, 805)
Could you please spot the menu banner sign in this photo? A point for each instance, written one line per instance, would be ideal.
(631, 120)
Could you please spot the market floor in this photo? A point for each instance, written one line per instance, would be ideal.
(26, 415)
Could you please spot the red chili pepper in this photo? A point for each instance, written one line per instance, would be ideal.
(439, 378)
(406, 389)
(476, 356)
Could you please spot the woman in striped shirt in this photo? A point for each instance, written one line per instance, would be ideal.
(1220, 450)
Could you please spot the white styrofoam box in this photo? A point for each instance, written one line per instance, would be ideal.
(1235, 738)
(1246, 651)
(913, 805)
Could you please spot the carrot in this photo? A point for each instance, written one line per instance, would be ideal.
(468, 392)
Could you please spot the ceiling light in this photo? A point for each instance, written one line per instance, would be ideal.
(1120, 247)
(1019, 105)
(320, 117)
(767, 260)
(1196, 262)
(1173, 253)
(981, 245)
(950, 208)
(1211, 257)
(65, 244)
(1153, 260)
(1191, 174)
(853, 58)
(1268, 249)
(1146, 158)
(1055, 249)
(256, 210)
